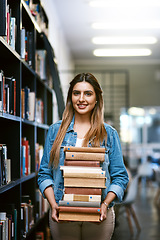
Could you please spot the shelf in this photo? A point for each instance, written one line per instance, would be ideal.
(10, 117)
(12, 184)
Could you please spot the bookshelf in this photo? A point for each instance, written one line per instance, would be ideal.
(31, 100)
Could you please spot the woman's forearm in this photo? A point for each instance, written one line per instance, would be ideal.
(49, 194)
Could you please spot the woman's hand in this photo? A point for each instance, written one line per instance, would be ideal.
(55, 212)
(103, 212)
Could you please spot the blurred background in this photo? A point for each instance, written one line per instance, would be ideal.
(119, 42)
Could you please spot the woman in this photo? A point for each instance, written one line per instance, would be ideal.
(82, 125)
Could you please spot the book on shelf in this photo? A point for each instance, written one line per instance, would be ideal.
(88, 214)
(26, 157)
(84, 156)
(7, 94)
(32, 102)
(85, 182)
(41, 64)
(79, 204)
(5, 166)
(83, 190)
(3, 13)
(39, 111)
(8, 221)
(42, 204)
(39, 154)
(27, 104)
(82, 197)
(23, 45)
(39, 235)
(27, 214)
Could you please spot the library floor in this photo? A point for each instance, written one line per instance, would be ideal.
(147, 214)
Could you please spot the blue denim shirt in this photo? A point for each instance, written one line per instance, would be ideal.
(116, 174)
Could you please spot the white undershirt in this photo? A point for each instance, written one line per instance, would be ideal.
(79, 142)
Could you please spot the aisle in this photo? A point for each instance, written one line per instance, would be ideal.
(148, 216)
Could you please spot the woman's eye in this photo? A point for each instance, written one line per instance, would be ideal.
(88, 94)
(75, 93)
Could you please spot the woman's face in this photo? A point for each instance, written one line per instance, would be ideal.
(83, 98)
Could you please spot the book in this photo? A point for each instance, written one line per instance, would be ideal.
(83, 190)
(82, 163)
(85, 156)
(1, 91)
(39, 235)
(83, 172)
(31, 106)
(79, 214)
(81, 197)
(84, 149)
(23, 47)
(84, 182)
(79, 204)
(25, 143)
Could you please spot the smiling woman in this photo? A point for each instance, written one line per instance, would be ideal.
(82, 125)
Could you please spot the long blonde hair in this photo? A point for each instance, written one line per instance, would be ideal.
(96, 133)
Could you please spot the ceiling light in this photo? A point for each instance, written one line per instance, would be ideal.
(121, 52)
(124, 40)
(125, 3)
(135, 111)
(126, 25)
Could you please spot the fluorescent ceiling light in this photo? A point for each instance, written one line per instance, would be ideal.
(134, 111)
(126, 25)
(121, 52)
(124, 40)
(125, 3)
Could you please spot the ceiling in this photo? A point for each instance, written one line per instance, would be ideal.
(76, 17)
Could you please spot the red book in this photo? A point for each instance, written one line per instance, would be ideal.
(84, 191)
(82, 163)
(26, 143)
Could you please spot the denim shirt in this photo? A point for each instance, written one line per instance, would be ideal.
(116, 174)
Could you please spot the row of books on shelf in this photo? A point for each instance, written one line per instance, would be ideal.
(5, 163)
(8, 216)
(38, 13)
(27, 46)
(5, 166)
(8, 222)
(10, 28)
(26, 157)
(7, 94)
(31, 108)
(84, 180)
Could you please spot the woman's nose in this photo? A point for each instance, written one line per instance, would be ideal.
(81, 97)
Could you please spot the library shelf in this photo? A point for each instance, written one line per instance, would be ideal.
(26, 110)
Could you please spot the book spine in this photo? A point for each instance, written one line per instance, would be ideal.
(84, 182)
(79, 209)
(83, 191)
(84, 156)
(79, 204)
(23, 43)
(1, 91)
(84, 149)
(83, 198)
(82, 163)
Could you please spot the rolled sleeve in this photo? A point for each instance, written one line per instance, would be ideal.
(43, 185)
(117, 190)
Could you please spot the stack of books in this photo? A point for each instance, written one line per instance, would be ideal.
(84, 180)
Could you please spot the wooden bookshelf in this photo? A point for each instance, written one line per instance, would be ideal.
(14, 127)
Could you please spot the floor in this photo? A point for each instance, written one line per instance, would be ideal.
(147, 214)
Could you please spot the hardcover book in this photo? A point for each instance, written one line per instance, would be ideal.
(79, 214)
